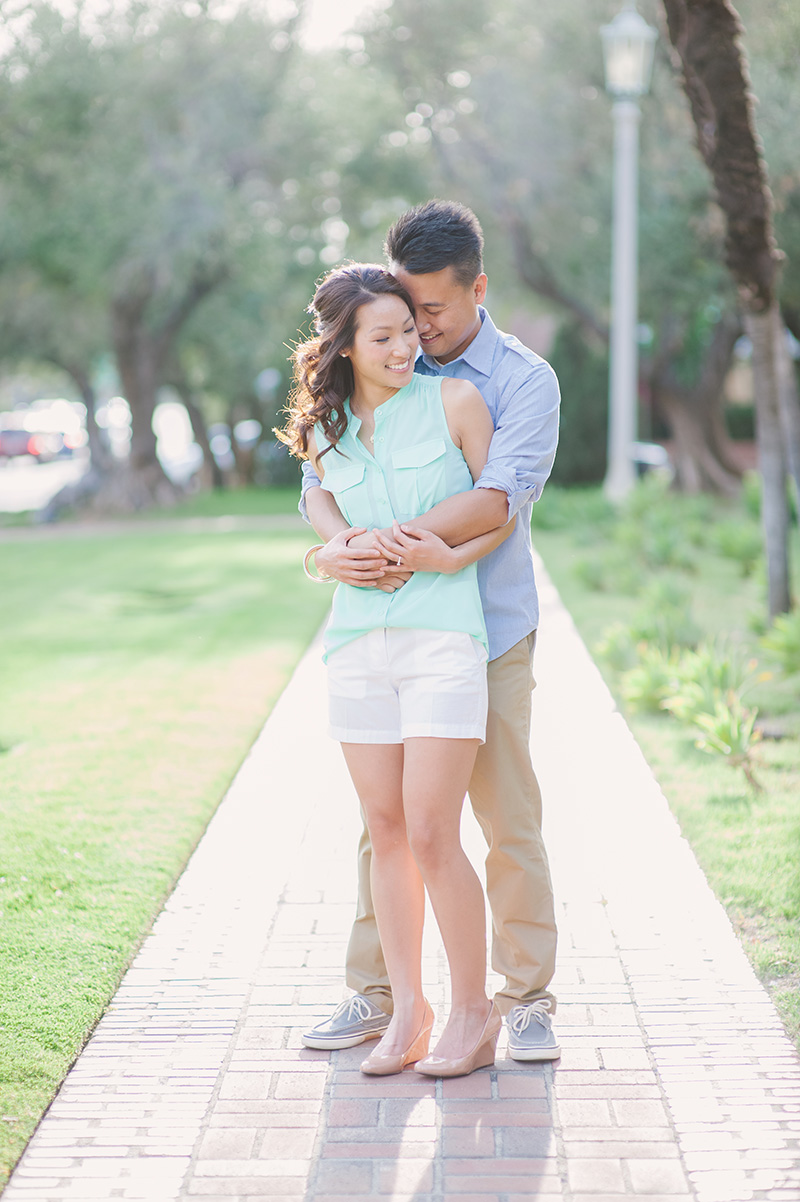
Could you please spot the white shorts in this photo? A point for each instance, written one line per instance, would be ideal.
(396, 684)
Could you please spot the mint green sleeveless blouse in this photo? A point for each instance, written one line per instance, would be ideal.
(415, 464)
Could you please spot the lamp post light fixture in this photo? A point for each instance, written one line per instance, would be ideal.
(628, 48)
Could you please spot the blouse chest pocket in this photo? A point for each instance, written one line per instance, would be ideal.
(342, 481)
(420, 475)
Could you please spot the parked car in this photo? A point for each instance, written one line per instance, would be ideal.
(43, 447)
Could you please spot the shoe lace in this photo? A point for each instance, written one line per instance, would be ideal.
(521, 1017)
(354, 1009)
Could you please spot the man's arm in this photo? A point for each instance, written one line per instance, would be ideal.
(520, 460)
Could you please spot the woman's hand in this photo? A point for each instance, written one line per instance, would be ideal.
(391, 578)
(417, 550)
(351, 559)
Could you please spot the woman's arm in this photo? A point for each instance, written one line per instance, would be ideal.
(469, 422)
(471, 429)
(350, 554)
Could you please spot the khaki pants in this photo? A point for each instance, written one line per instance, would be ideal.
(507, 803)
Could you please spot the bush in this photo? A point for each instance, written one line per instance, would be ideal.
(782, 641)
(664, 617)
(574, 509)
(740, 542)
(610, 570)
(740, 422)
(647, 686)
(616, 648)
(729, 731)
(583, 376)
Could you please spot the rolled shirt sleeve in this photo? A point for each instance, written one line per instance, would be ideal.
(310, 479)
(523, 446)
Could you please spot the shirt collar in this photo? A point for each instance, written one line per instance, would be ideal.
(479, 355)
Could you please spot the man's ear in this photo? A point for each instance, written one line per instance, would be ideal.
(480, 286)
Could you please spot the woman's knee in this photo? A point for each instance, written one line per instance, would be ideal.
(432, 842)
(387, 833)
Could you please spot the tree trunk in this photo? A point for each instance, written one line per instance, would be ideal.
(701, 464)
(707, 37)
(100, 459)
(702, 451)
(141, 482)
(789, 395)
(765, 330)
(209, 474)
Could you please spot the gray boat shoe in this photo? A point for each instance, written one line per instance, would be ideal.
(354, 1021)
(530, 1032)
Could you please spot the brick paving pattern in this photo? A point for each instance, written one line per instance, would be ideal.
(676, 1079)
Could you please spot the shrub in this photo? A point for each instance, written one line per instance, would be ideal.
(573, 509)
(729, 731)
(616, 648)
(591, 573)
(664, 616)
(612, 570)
(583, 376)
(782, 641)
(740, 422)
(646, 686)
(739, 541)
(707, 676)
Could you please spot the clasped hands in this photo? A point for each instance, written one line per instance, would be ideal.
(383, 559)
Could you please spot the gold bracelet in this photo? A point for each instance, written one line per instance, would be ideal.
(323, 577)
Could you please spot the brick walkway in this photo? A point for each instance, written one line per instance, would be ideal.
(676, 1080)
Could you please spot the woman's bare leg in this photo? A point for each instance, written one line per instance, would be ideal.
(436, 773)
(398, 893)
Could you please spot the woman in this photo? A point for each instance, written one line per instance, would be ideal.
(406, 666)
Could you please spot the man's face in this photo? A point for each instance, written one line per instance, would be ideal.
(446, 311)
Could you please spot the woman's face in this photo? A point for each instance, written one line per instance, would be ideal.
(385, 343)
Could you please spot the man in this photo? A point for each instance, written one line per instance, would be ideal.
(435, 250)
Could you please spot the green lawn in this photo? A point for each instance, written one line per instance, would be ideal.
(136, 671)
(748, 843)
(220, 502)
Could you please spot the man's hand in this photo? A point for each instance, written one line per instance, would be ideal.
(351, 560)
(417, 550)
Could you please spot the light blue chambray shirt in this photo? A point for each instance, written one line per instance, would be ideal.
(521, 392)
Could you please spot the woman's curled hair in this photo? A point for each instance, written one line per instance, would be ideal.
(322, 376)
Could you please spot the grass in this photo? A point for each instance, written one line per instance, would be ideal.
(747, 843)
(136, 670)
(250, 502)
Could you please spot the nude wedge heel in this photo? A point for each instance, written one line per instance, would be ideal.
(481, 1056)
(385, 1065)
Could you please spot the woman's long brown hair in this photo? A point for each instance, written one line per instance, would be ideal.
(323, 378)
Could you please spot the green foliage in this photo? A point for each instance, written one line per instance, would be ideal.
(575, 509)
(729, 731)
(745, 840)
(740, 422)
(707, 675)
(650, 682)
(664, 615)
(612, 569)
(782, 641)
(583, 375)
(616, 648)
(741, 541)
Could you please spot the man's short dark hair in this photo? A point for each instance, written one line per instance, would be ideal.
(435, 235)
